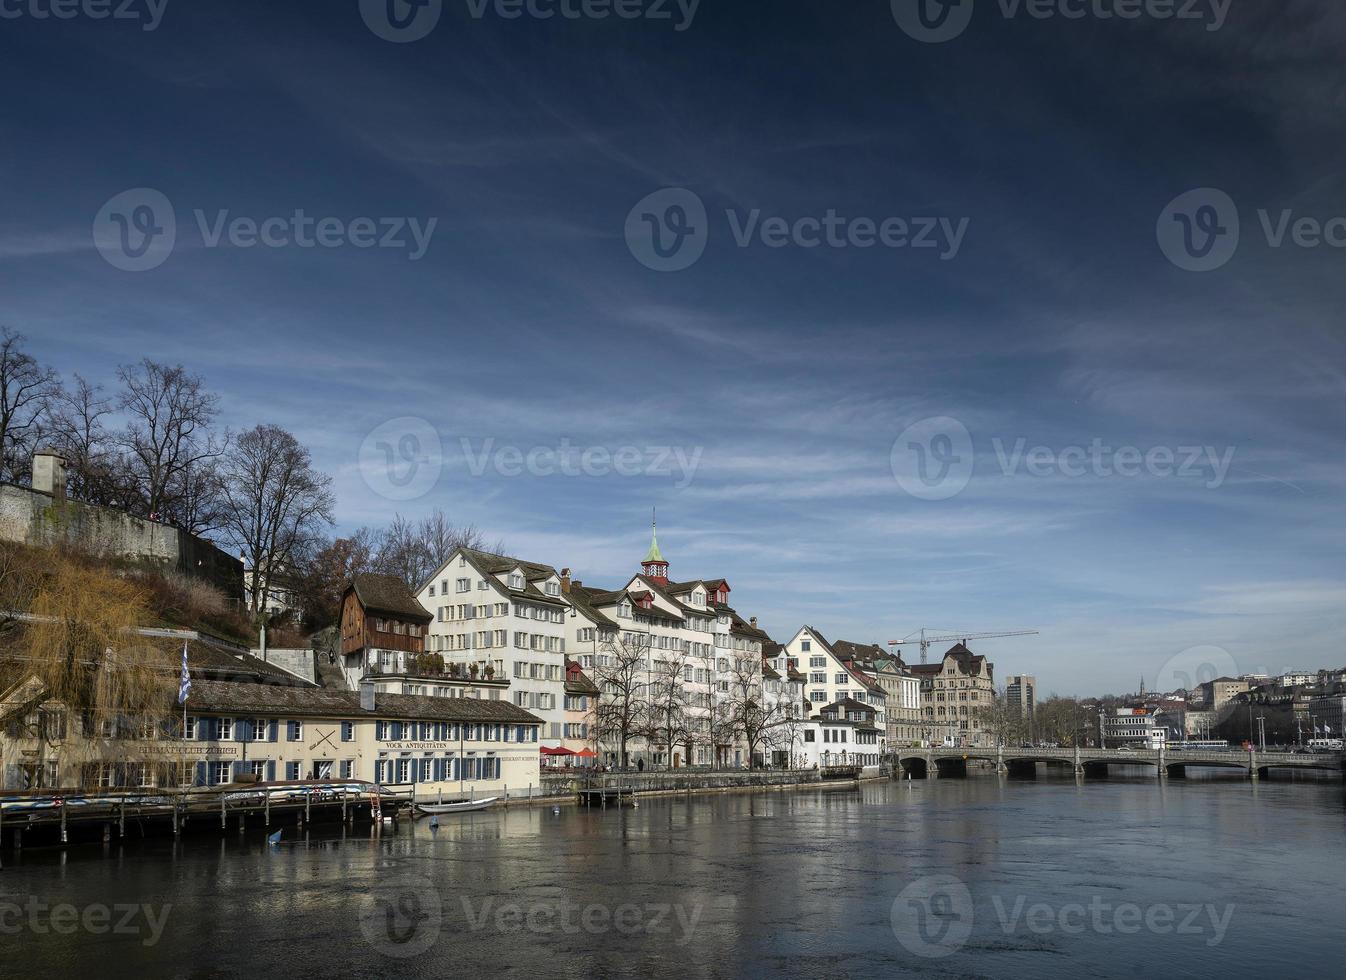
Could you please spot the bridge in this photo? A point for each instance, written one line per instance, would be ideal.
(921, 763)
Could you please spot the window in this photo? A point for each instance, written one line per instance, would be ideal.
(464, 585)
(348, 731)
(553, 588)
(294, 731)
(432, 591)
(515, 580)
(817, 661)
(225, 728)
(347, 768)
(805, 645)
(291, 770)
(808, 735)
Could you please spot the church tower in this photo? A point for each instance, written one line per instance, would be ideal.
(654, 566)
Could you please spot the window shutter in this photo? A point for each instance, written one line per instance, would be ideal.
(273, 731)
(271, 772)
(202, 775)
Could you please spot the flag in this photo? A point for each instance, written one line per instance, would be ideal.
(185, 683)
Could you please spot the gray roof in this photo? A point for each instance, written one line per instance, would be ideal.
(388, 594)
(219, 697)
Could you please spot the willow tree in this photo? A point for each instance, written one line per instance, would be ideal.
(93, 684)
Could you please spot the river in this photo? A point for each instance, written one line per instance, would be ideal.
(951, 877)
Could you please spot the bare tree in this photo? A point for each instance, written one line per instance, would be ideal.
(274, 500)
(412, 550)
(667, 701)
(1004, 721)
(83, 658)
(439, 538)
(26, 389)
(621, 673)
(171, 449)
(96, 471)
(747, 713)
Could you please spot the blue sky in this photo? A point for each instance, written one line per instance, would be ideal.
(787, 373)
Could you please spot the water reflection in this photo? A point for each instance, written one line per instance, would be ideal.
(835, 882)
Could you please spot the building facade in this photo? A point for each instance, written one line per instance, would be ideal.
(956, 693)
(1021, 696)
(700, 661)
(382, 630)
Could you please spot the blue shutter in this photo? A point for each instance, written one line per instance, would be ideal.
(201, 775)
(240, 769)
(273, 731)
(379, 770)
(238, 730)
(271, 771)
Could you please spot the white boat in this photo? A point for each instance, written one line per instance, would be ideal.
(463, 806)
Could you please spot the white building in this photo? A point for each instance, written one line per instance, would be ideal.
(507, 618)
(685, 627)
(1134, 728)
(833, 674)
(843, 734)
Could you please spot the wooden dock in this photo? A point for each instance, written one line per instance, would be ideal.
(55, 817)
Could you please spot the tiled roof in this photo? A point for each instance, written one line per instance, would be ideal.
(267, 699)
(582, 599)
(847, 705)
(388, 594)
(577, 681)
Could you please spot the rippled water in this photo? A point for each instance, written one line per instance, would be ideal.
(933, 878)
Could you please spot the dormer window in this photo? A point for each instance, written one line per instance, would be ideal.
(624, 610)
(515, 580)
(553, 588)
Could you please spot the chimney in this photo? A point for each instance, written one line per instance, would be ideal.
(366, 695)
(753, 622)
(49, 473)
(565, 581)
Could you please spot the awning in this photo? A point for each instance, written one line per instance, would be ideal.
(587, 754)
(558, 751)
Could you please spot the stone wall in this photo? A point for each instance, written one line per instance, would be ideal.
(35, 518)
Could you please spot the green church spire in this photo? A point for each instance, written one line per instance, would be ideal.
(654, 554)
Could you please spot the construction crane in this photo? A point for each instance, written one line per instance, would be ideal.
(953, 637)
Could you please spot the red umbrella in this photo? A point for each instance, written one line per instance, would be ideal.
(587, 754)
